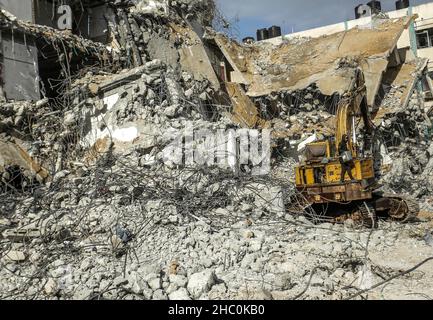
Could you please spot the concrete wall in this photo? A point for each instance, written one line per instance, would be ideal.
(91, 23)
(18, 56)
(46, 13)
(20, 67)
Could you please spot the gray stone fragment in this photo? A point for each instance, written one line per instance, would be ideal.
(178, 280)
(51, 287)
(159, 295)
(120, 281)
(200, 283)
(181, 294)
(16, 256)
(83, 294)
(155, 283)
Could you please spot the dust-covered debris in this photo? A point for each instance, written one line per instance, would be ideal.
(95, 206)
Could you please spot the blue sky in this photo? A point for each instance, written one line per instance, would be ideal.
(296, 15)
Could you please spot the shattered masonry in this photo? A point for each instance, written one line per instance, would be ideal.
(89, 209)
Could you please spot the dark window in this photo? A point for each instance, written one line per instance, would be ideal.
(423, 39)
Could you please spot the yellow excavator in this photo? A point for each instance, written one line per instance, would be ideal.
(319, 176)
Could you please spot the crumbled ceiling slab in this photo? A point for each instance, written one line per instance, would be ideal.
(402, 81)
(232, 51)
(14, 155)
(193, 56)
(244, 113)
(109, 82)
(328, 61)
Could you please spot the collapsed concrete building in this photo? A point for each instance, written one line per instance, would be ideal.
(91, 210)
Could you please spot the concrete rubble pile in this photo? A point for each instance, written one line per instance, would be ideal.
(90, 209)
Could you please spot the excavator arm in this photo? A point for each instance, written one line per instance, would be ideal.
(353, 105)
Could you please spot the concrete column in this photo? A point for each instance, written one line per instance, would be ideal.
(412, 34)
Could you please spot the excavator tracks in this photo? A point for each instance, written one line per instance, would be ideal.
(403, 209)
(366, 214)
(368, 217)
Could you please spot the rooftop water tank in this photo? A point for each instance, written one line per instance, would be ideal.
(248, 40)
(402, 4)
(262, 34)
(375, 6)
(274, 31)
(358, 11)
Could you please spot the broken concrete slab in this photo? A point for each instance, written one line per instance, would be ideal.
(244, 112)
(115, 81)
(21, 235)
(402, 81)
(179, 295)
(327, 61)
(5, 223)
(15, 256)
(232, 51)
(193, 56)
(14, 155)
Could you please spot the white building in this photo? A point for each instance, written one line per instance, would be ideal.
(423, 29)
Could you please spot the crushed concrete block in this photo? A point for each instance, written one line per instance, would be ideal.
(51, 287)
(179, 295)
(120, 281)
(16, 256)
(200, 283)
(155, 283)
(5, 223)
(248, 234)
(178, 280)
(159, 295)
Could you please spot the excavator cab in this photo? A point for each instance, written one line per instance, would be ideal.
(320, 180)
(317, 151)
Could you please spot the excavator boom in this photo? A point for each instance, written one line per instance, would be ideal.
(353, 105)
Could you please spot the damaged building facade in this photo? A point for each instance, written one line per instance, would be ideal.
(417, 37)
(90, 209)
(27, 59)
